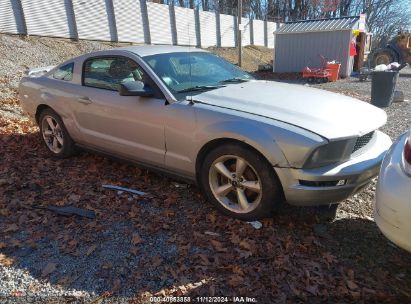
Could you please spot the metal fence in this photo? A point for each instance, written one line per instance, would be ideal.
(135, 21)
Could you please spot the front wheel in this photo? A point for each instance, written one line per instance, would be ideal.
(240, 182)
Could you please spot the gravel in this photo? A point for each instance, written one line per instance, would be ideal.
(23, 280)
(20, 54)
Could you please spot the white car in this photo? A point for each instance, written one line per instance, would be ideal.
(393, 198)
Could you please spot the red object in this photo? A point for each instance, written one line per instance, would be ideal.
(353, 49)
(334, 69)
(318, 74)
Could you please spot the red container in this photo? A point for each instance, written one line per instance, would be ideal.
(334, 69)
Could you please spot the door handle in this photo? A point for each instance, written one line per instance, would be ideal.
(84, 100)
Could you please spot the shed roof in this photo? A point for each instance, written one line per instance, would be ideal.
(318, 25)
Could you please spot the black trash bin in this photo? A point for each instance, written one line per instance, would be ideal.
(382, 88)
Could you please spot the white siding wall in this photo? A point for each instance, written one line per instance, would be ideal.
(208, 29)
(186, 26)
(8, 22)
(245, 34)
(128, 20)
(92, 19)
(125, 21)
(258, 32)
(46, 17)
(227, 30)
(160, 26)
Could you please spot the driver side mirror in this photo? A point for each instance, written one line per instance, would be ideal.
(135, 88)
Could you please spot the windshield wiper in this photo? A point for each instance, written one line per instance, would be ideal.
(234, 80)
(200, 88)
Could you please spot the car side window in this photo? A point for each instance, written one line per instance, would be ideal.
(109, 72)
(64, 72)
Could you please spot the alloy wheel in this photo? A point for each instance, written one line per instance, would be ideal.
(52, 134)
(235, 184)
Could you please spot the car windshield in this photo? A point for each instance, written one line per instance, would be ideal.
(194, 72)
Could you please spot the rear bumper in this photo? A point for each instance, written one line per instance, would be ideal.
(392, 210)
(356, 173)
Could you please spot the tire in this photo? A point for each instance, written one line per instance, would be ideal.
(327, 213)
(250, 195)
(384, 56)
(55, 135)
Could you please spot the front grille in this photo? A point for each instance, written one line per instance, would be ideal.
(362, 141)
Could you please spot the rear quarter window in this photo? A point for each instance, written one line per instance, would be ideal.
(64, 72)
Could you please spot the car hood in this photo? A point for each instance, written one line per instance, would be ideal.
(331, 115)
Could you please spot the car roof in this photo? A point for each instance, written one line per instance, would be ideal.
(148, 50)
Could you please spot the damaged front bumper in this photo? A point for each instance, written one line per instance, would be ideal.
(333, 183)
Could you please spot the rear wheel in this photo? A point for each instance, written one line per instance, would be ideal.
(55, 135)
(240, 182)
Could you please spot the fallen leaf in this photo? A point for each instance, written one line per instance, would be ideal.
(116, 286)
(329, 258)
(5, 260)
(211, 217)
(12, 228)
(72, 243)
(2, 245)
(136, 239)
(75, 198)
(218, 246)
(351, 285)
(313, 289)
(107, 265)
(50, 267)
(156, 261)
(91, 249)
(92, 167)
(350, 274)
(134, 250)
(204, 259)
(246, 245)
(235, 280)
(237, 270)
(235, 239)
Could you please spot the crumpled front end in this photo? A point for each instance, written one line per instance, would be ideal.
(335, 182)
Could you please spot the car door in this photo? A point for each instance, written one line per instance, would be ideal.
(127, 126)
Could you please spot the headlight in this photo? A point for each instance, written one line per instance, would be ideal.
(333, 152)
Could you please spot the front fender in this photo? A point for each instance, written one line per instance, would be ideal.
(249, 133)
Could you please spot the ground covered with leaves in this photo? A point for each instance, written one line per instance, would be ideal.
(170, 241)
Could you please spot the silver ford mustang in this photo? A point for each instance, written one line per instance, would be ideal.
(248, 144)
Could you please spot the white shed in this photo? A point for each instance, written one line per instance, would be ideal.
(300, 43)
